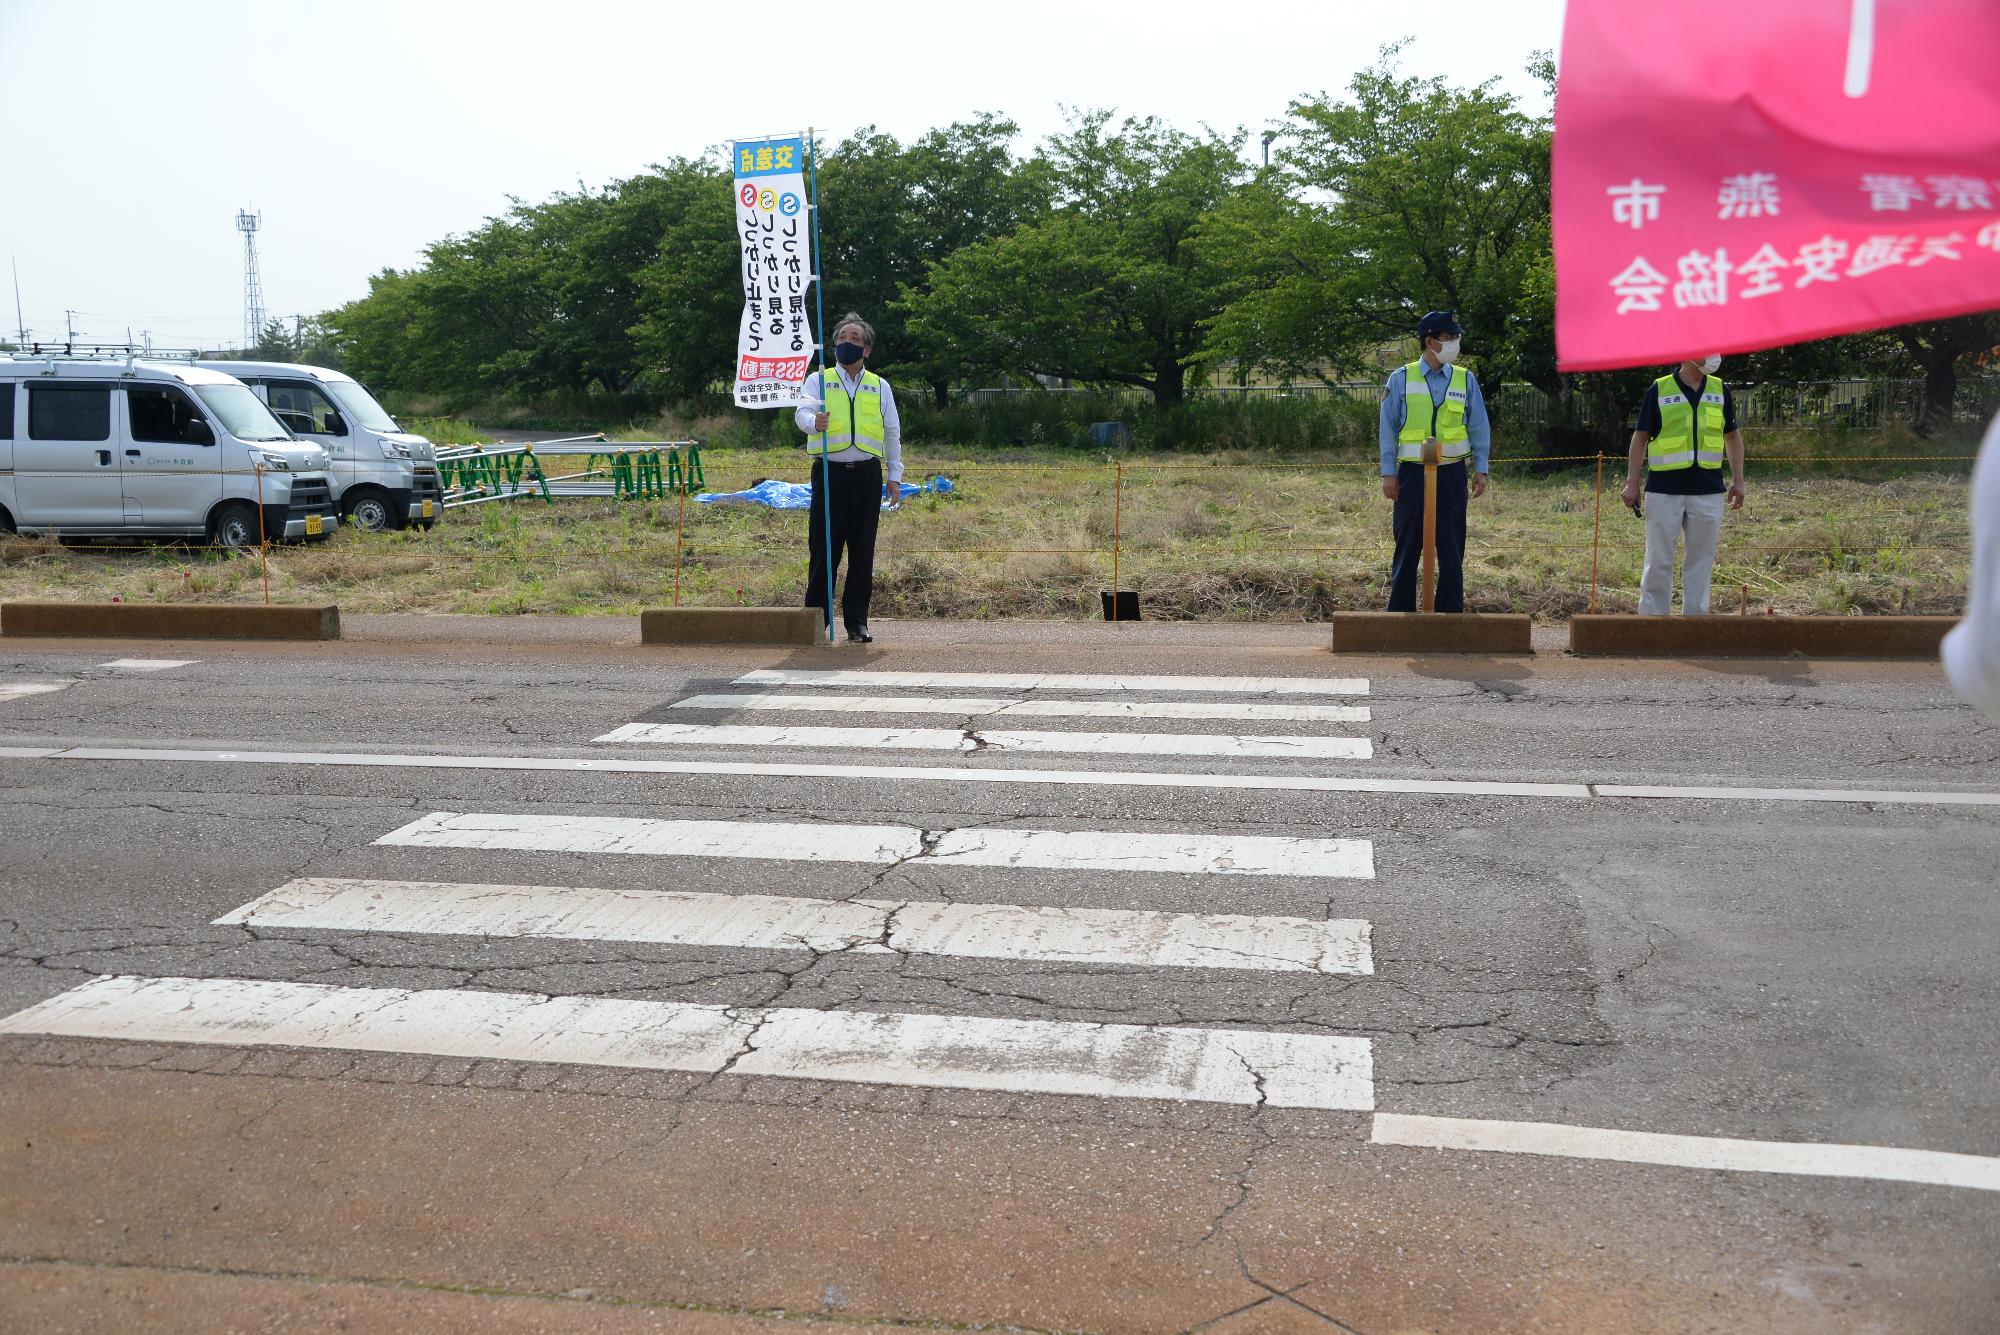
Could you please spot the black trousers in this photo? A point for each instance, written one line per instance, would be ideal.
(1409, 521)
(856, 493)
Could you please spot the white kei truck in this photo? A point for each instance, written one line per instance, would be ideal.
(110, 444)
(383, 476)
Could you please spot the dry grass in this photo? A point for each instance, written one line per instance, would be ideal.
(1214, 538)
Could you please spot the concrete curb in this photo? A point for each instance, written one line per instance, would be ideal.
(1759, 637)
(731, 625)
(1432, 633)
(168, 621)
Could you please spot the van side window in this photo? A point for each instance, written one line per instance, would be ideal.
(69, 412)
(161, 416)
(301, 407)
(6, 412)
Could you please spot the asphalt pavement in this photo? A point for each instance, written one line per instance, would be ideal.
(507, 973)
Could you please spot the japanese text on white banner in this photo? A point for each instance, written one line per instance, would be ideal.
(774, 342)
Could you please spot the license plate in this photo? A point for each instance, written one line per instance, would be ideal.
(314, 526)
(427, 509)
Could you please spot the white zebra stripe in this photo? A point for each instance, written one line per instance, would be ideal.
(973, 706)
(952, 739)
(778, 922)
(1054, 681)
(869, 1047)
(1093, 850)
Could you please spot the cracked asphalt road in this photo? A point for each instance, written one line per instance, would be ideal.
(1797, 972)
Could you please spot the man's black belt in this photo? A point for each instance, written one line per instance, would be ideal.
(852, 463)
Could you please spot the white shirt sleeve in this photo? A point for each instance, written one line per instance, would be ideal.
(1972, 651)
(810, 404)
(892, 434)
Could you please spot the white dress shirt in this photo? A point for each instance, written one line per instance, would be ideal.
(1972, 651)
(810, 404)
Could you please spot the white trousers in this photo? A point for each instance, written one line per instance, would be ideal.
(1667, 518)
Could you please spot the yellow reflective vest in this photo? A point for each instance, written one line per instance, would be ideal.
(1423, 418)
(853, 420)
(1689, 435)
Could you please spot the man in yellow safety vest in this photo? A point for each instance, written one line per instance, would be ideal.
(856, 411)
(1685, 432)
(1432, 398)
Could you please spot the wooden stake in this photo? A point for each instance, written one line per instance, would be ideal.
(263, 540)
(1596, 528)
(1428, 601)
(680, 528)
(1117, 528)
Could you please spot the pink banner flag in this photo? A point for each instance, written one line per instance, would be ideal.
(1731, 177)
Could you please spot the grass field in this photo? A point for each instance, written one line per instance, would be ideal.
(1216, 537)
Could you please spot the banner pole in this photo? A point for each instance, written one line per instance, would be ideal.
(819, 308)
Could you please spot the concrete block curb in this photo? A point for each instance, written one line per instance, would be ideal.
(731, 625)
(1759, 637)
(169, 621)
(1432, 633)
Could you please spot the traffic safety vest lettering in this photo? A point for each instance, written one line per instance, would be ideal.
(1689, 435)
(854, 421)
(1422, 418)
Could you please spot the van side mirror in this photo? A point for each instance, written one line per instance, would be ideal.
(336, 425)
(196, 432)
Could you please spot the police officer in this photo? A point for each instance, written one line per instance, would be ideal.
(1432, 398)
(856, 410)
(1686, 428)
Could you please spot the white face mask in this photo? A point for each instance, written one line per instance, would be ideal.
(1711, 363)
(1447, 352)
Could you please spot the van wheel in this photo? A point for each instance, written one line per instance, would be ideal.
(370, 511)
(234, 526)
(6, 521)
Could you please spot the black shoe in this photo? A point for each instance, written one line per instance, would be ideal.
(858, 634)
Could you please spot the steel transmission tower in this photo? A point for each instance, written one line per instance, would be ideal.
(253, 286)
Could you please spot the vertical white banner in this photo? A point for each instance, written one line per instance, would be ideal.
(774, 342)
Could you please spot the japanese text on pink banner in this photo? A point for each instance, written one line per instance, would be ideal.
(1808, 168)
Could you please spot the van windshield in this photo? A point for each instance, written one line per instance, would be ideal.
(361, 405)
(243, 414)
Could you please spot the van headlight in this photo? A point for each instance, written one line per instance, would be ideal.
(276, 462)
(393, 450)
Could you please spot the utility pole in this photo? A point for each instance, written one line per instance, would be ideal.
(298, 338)
(253, 285)
(69, 323)
(20, 321)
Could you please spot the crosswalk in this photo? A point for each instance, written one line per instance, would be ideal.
(683, 908)
(968, 892)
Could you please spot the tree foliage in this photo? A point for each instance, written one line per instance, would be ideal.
(1409, 195)
(1120, 253)
(1108, 287)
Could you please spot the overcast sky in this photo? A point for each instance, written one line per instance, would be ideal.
(362, 130)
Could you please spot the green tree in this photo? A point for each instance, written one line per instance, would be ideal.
(1408, 195)
(689, 297)
(1937, 347)
(1109, 286)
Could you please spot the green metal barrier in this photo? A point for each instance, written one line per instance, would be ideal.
(495, 474)
(638, 474)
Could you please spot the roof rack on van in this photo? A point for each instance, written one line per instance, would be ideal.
(50, 353)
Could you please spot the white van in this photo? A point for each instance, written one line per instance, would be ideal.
(383, 476)
(112, 445)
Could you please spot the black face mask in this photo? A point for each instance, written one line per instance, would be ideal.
(848, 354)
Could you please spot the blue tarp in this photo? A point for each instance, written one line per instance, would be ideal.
(798, 496)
